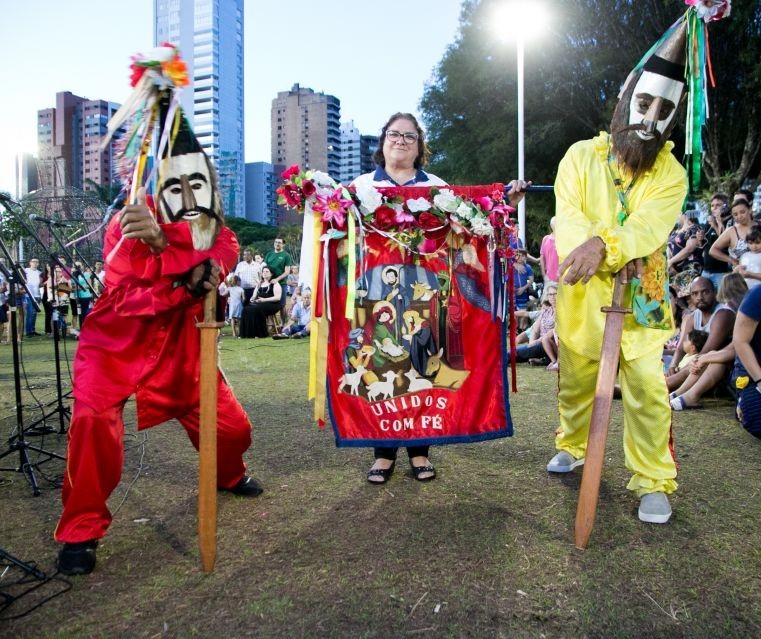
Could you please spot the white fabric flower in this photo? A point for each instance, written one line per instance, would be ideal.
(320, 178)
(418, 205)
(464, 211)
(481, 226)
(369, 197)
(446, 200)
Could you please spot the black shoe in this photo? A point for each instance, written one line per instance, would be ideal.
(78, 558)
(246, 487)
(419, 470)
(383, 473)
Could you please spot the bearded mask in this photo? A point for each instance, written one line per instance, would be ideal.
(646, 111)
(187, 187)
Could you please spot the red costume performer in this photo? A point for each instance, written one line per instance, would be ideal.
(142, 340)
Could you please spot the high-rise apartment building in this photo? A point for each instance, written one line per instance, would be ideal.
(209, 34)
(68, 139)
(262, 180)
(306, 130)
(356, 152)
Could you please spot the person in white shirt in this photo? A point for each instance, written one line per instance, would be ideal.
(301, 315)
(32, 274)
(249, 271)
(750, 262)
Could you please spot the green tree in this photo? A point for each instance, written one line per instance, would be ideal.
(105, 193)
(572, 79)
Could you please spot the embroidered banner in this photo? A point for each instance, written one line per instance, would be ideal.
(420, 361)
(407, 338)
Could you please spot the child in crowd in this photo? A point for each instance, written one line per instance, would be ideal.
(234, 292)
(750, 262)
(692, 345)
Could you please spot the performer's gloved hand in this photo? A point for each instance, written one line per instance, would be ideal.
(138, 223)
(517, 191)
(582, 263)
(203, 278)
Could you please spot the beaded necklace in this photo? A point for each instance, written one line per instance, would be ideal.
(623, 194)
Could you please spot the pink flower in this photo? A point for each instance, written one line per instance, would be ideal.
(401, 217)
(308, 188)
(333, 207)
(428, 246)
(497, 195)
(290, 172)
(484, 202)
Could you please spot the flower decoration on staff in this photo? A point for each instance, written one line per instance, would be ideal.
(171, 66)
(710, 10)
(408, 212)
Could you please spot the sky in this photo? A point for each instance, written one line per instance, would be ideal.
(374, 57)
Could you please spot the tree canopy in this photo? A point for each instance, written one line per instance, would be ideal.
(572, 78)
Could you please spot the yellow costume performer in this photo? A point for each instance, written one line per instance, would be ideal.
(588, 206)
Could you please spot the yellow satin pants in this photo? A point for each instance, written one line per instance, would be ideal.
(647, 416)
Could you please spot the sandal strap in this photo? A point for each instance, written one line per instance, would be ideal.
(423, 469)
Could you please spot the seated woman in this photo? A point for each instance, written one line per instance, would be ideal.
(265, 301)
(708, 369)
(746, 340)
(542, 331)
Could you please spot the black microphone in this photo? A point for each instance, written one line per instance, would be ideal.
(45, 220)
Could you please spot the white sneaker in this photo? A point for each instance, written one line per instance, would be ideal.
(564, 462)
(654, 508)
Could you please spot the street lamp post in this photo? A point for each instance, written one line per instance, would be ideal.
(524, 18)
(520, 44)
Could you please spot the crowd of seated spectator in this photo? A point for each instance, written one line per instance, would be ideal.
(705, 355)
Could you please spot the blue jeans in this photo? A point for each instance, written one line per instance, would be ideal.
(30, 314)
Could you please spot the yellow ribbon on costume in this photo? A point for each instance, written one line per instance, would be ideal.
(351, 269)
(314, 325)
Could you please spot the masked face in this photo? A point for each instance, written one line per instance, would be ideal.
(186, 191)
(653, 104)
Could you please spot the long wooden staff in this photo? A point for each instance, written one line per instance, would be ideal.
(207, 446)
(598, 429)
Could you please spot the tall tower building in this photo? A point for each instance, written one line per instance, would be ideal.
(209, 34)
(356, 152)
(306, 130)
(349, 152)
(68, 139)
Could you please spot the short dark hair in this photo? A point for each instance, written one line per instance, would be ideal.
(720, 196)
(746, 194)
(739, 202)
(422, 149)
(698, 338)
(754, 235)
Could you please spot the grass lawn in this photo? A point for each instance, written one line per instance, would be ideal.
(486, 550)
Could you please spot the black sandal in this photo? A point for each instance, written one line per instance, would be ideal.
(385, 473)
(419, 470)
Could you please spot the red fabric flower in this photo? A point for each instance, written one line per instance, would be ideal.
(308, 188)
(290, 194)
(137, 73)
(385, 217)
(428, 220)
(290, 172)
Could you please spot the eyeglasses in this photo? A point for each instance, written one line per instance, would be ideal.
(398, 136)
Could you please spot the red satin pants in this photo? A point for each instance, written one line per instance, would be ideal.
(96, 456)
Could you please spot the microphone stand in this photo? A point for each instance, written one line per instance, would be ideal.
(40, 426)
(17, 441)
